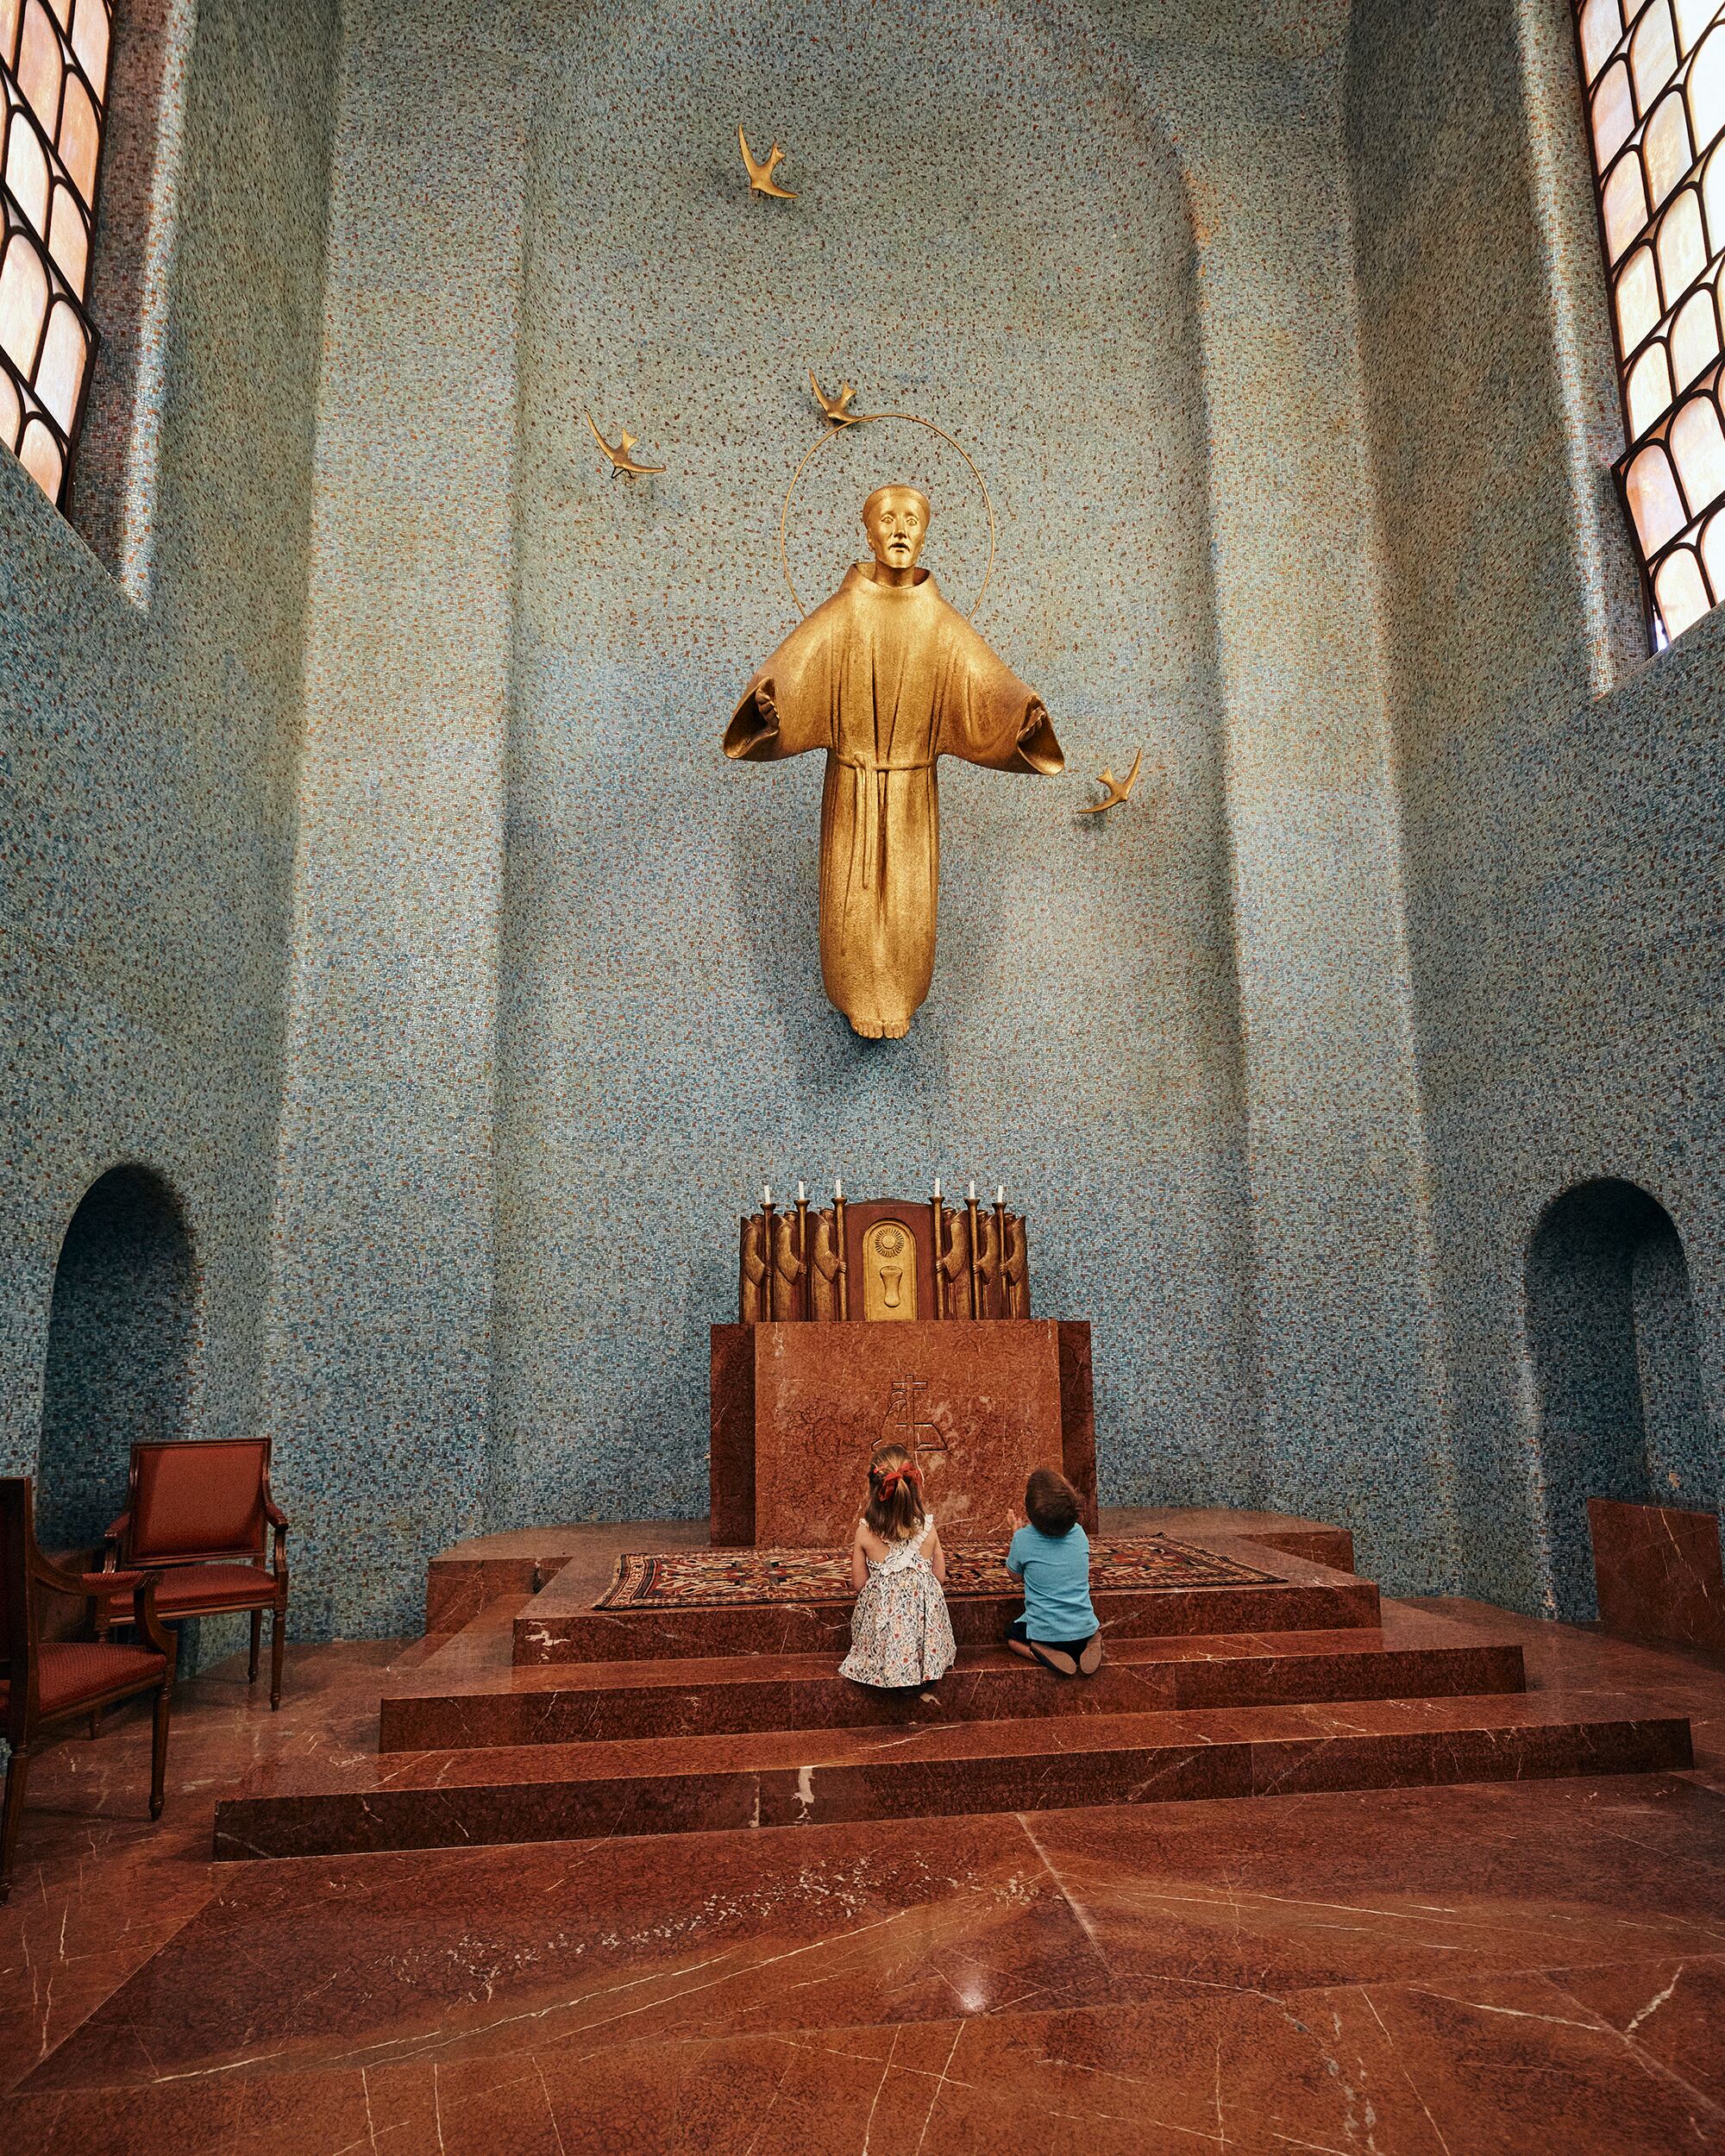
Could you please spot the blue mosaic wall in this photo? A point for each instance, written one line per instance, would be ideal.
(1561, 794)
(376, 876)
(148, 743)
(119, 1353)
(556, 1008)
(665, 1042)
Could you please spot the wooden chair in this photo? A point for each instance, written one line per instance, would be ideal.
(196, 1513)
(43, 1681)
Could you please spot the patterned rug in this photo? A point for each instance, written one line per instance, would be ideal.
(718, 1579)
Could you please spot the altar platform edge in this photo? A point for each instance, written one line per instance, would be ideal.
(462, 1579)
(510, 1727)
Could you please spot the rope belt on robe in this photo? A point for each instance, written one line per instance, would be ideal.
(870, 803)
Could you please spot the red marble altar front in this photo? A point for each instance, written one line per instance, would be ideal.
(797, 1409)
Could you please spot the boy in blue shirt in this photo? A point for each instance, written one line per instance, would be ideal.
(1051, 1555)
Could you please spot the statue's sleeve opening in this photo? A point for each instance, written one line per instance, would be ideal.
(1039, 750)
(786, 710)
(753, 733)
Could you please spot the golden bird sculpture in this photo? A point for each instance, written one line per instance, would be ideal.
(622, 464)
(760, 179)
(1118, 789)
(837, 406)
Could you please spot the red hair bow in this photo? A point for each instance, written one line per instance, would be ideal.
(890, 1482)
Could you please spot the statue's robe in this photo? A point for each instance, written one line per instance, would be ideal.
(1015, 1277)
(751, 1291)
(824, 1268)
(887, 678)
(788, 1266)
(987, 1265)
(954, 1259)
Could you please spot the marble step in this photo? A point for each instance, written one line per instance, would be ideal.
(462, 1797)
(469, 1694)
(560, 1624)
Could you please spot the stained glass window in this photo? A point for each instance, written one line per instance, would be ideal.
(1654, 71)
(54, 72)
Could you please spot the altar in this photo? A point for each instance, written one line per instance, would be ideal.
(797, 1409)
(882, 1322)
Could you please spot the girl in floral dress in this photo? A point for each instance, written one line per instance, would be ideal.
(901, 1634)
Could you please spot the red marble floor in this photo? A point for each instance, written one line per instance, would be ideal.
(1519, 1966)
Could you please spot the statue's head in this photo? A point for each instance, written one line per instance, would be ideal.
(896, 519)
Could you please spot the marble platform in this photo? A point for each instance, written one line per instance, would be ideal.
(544, 1717)
(1658, 1573)
(1519, 1966)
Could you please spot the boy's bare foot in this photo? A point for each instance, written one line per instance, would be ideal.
(1091, 1660)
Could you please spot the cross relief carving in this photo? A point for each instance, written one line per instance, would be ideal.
(901, 1424)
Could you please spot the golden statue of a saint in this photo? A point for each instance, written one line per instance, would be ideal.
(886, 677)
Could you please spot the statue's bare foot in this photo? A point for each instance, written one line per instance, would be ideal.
(866, 1029)
(894, 1029)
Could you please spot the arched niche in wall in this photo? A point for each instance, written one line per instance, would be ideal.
(119, 1351)
(1611, 1330)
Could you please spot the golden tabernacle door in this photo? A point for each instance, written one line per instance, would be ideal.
(889, 1271)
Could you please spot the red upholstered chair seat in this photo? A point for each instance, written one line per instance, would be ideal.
(71, 1670)
(192, 1587)
(48, 1681)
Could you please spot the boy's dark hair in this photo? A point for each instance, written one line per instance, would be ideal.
(1051, 1503)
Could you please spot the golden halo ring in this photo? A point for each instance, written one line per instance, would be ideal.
(868, 419)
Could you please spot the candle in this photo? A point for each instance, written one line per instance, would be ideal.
(973, 1194)
(937, 1185)
(802, 1196)
(838, 1188)
(999, 1193)
(767, 1193)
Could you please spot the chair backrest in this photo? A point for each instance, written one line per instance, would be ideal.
(197, 1498)
(17, 1536)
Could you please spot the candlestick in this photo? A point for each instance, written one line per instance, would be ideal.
(839, 1237)
(976, 1273)
(937, 1238)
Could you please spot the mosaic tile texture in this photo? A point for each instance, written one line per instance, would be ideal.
(148, 747)
(556, 1003)
(371, 871)
(1561, 794)
(121, 1335)
(666, 1041)
(378, 1377)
